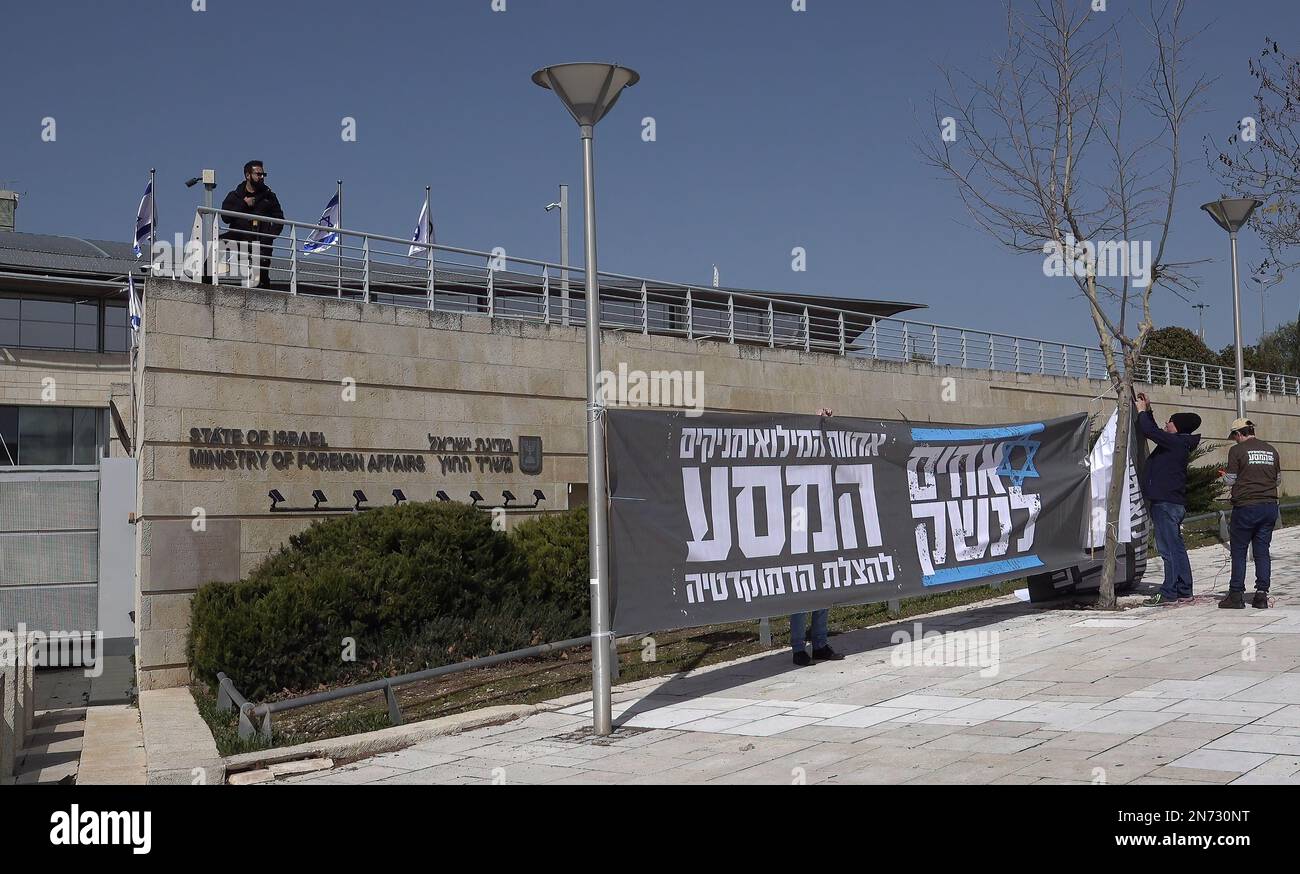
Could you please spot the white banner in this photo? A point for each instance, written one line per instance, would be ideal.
(1101, 463)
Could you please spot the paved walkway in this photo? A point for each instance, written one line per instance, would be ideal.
(1187, 693)
(75, 737)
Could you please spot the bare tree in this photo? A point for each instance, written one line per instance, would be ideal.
(1262, 159)
(1048, 161)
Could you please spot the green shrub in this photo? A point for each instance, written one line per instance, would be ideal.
(1204, 486)
(555, 547)
(436, 573)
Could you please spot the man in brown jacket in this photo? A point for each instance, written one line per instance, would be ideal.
(1254, 470)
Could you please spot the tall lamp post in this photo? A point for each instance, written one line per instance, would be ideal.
(1231, 213)
(589, 92)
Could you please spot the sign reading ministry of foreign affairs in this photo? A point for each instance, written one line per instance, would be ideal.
(260, 449)
(738, 516)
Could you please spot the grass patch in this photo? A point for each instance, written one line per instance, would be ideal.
(533, 681)
(1206, 532)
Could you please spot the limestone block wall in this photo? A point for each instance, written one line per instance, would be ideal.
(375, 381)
(81, 379)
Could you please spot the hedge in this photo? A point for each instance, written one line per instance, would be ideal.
(415, 586)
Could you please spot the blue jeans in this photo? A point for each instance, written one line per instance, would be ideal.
(1252, 525)
(820, 619)
(1167, 517)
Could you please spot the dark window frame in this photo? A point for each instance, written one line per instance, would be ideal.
(100, 328)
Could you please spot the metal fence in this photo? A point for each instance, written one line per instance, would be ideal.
(354, 265)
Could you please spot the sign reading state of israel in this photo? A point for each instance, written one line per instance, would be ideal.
(730, 516)
(259, 449)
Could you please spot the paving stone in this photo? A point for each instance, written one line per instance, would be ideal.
(865, 716)
(1224, 708)
(1221, 760)
(1128, 722)
(1285, 745)
(770, 726)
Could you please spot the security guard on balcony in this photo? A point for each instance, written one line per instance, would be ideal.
(254, 196)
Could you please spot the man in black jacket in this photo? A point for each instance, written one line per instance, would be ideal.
(1165, 488)
(252, 196)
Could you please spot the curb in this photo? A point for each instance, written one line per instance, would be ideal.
(360, 746)
(178, 746)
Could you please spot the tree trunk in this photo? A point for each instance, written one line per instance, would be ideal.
(1115, 493)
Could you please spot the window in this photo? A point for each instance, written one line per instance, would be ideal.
(63, 323)
(117, 333)
(45, 435)
(8, 436)
(51, 435)
(8, 321)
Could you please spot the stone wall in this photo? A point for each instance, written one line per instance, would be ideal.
(247, 360)
(81, 379)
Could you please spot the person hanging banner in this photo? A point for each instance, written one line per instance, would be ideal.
(724, 517)
(1101, 463)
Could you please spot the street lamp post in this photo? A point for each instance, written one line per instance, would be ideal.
(589, 92)
(1231, 213)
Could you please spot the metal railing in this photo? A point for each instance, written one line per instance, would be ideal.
(376, 268)
(256, 718)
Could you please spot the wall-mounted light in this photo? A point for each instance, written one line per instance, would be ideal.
(442, 496)
(509, 496)
(319, 497)
(276, 498)
(478, 499)
(398, 497)
(538, 497)
(359, 497)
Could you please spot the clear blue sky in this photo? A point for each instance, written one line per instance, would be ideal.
(775, 129)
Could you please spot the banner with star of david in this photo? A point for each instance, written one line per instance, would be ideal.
(722, 517)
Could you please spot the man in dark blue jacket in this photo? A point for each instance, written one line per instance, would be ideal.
(1165, 488)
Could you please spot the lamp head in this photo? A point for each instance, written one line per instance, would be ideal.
(588, 90)
(1231, 213)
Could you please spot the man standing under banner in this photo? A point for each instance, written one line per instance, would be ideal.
(1165, 488)
(1254, 469)
(821, 651)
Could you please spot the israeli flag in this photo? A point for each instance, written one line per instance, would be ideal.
(319, 241)
(136, 311)
(144, 219)
(424, 236)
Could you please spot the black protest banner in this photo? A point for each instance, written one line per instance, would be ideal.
(724, 517)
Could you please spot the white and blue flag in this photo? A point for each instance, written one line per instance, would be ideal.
(319, 241)
(134, 303)
(145, 217)
(424, 235)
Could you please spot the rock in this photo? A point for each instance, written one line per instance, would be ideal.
(300, 766)
(250, 778)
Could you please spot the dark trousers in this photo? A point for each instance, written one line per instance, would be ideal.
(1252, 526)
(1167, 519)
(258, 247)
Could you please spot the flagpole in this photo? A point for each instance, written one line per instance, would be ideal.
(428, 220)
(339, 233)
(135, 339)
